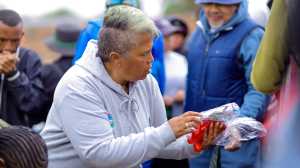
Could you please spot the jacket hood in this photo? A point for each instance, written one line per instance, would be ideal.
(240, 15)
(97, 21)
(94, 65)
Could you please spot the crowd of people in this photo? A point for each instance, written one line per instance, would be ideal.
(128, 90)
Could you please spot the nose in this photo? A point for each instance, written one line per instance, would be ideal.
(214, 8)
(8, 46)
(151, 59)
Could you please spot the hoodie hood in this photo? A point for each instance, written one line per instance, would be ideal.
(93, 64)
(240, 15)
(126, 103)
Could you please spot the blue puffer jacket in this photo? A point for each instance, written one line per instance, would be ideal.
(91, 31)
(219, 73)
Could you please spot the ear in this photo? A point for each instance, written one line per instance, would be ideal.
(115, 58)
(2, 163)
(23, 32)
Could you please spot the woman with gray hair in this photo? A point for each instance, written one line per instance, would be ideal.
(107, 110)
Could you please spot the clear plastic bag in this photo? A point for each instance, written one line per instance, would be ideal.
(237, 129)
(222, 114)
(243, 129)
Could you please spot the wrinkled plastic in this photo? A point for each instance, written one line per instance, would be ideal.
(222, 114)
(237, 129)
(243, 129)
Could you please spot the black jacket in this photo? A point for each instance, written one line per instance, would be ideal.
(23, 97)
(293, 15)
(51, 75)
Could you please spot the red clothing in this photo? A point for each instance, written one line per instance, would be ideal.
(197, 136)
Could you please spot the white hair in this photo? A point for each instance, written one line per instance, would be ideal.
(121, 31)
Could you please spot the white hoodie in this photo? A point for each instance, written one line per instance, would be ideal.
(79, 133)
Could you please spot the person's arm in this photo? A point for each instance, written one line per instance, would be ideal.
(89, 32)
(269, 64)
(26, 87)
(255, 103)
(180, 149)
(93, 139)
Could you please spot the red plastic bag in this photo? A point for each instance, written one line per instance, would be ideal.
(197, 136)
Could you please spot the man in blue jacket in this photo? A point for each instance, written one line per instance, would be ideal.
(222, 50)
(91, 31)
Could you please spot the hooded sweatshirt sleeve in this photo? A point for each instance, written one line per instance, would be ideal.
(255, 103)
(94, 141)
(25, 86)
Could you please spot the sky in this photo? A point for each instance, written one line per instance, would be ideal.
(89, 9)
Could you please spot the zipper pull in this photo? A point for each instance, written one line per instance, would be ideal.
(206, 49)
(204, 94)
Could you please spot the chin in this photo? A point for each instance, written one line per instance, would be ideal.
(143, 77)
(216, 22)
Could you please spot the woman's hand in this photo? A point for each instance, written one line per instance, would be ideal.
(181, 123)
(211, 135)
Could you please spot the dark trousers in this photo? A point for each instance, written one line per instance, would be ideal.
(169, 163)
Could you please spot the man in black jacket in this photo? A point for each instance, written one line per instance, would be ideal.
(21, 89)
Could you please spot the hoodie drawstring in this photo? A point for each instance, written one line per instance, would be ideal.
(132, 104)
(130, 101)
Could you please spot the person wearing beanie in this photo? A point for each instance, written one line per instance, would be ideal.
(221, 52)
(91, 31)
(180, 42)
(63, 41)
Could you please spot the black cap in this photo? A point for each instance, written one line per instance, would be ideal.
(177, 22)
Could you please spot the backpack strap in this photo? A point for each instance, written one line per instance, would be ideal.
(239, 46)
(215, 161)
(57, 69)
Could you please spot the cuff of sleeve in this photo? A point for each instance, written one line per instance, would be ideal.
(166, 134)
(13, 76)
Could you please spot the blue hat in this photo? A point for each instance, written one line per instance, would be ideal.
(118, 2)
(225, 2)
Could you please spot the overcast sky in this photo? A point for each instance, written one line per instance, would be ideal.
(89, 9)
